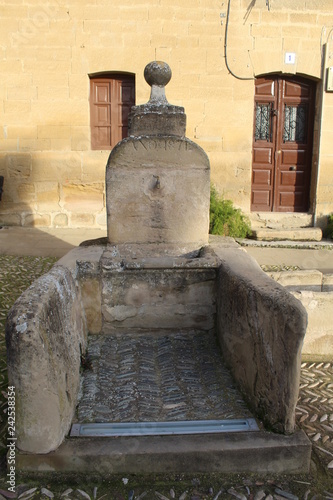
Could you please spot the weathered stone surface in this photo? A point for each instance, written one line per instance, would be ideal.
(10, 220)
(158, 299)
(280, 220)
(172, 121)
(327, 283)
(261, 329)
(45, 334)
(314, 290)
(60, 220)
(91, 300)
(37, 220)
(295, 234)
(157, 191)
(299, 280)
(157, 181)
(319, 333)
(18, 166)
(83, 261)
(207, 453)
(157, 117)
(83, 198)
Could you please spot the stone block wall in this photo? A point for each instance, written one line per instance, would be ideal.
(48, 50)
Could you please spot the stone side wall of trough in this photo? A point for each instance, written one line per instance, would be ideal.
(156, 300)
(144, 295)
(261, 328)
(45, 334)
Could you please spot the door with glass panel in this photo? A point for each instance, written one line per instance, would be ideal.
(282, 144)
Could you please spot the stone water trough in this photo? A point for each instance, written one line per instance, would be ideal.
(157, 350)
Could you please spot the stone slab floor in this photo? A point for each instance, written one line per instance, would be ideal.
(178, 376)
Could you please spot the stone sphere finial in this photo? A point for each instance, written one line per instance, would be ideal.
(157, 116)
(157, 73)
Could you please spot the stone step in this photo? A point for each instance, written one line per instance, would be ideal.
(280, 220)
(291, 234)
(261, 452)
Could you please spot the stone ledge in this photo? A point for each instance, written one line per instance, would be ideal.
(294, 234)
(327, 285)
(314, 290)
(299, 280)
(261, 452)
(319, 333)
(304, 279)
(280, 220)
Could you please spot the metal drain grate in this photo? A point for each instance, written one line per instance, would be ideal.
(163, 428)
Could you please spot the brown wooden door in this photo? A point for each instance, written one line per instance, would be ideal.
(282, 145)
(111, 99)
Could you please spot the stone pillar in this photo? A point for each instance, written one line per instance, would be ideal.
(157, 180)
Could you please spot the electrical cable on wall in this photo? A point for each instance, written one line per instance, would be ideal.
(226, 47)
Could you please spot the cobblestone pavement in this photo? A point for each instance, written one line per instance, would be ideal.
(314, 412)
(314, 415)
(145, 378)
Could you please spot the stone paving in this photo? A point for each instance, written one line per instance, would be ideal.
(181, 488)
(314, 412)
(178, 376)
(314, 415)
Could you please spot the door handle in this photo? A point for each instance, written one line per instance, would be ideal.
(293, 168)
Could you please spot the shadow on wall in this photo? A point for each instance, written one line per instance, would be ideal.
(43, 243)
(1, 185)
(19, 192)
(53, 189)
(248, 10)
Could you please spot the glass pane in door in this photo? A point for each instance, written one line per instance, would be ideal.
(295, 124)
(263, 122)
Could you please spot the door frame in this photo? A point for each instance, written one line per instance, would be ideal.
(268, 154)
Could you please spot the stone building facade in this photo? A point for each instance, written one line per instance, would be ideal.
(245, 71)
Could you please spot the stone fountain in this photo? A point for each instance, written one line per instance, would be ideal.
(157, 349)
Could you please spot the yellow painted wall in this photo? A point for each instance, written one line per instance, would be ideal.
(48, 49)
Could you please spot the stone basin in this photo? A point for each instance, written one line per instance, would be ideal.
(219, 295)
(158, 327)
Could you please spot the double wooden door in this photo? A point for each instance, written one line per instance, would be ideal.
(111, 99)
(282, 144)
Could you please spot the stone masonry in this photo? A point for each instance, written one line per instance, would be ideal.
(160, 289)
(49, 50)
(164, 177)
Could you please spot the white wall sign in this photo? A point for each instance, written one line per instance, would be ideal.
(290, 57)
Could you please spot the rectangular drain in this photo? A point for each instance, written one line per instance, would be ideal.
(163, 428)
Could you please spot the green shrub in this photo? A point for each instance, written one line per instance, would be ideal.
(225, 219)
(328, 233)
